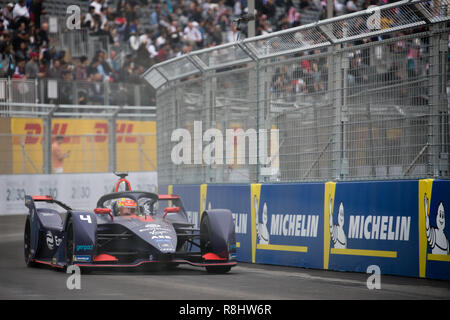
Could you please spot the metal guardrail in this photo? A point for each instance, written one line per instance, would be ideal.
(359, 96)
(81, 111)
(75, 92)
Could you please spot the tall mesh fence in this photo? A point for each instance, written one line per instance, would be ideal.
(362, 96)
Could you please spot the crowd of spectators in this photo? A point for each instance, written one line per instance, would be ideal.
(156, 30)
(150, 31)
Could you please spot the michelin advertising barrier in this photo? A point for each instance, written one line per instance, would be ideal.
(399, 226)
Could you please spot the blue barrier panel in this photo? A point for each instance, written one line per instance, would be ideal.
(190, 195)
(287, 224)
(236, 198)
(162, 189)
(372, 223)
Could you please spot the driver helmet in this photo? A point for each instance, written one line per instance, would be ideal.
(126, 207)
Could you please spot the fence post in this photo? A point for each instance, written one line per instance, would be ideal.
(112, 155)
(438, 112)
(209, 89)
(335, 87)
(47, 142)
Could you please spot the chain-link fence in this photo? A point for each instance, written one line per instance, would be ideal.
(361, 96)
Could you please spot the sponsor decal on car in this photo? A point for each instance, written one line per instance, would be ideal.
(81, 247)
(77, 258)
(165, 245)
(50, 241)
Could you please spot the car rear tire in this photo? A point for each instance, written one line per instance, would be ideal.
(27, 244)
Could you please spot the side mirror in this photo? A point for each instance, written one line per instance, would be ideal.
(171, 210)
(104, 211)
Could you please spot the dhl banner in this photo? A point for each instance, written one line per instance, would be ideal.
(87, 141)
(399, 226)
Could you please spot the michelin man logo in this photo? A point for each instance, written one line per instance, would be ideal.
(337, 231)
(262, 233)
(436, 237)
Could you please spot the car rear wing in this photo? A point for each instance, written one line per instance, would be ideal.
(29, 201)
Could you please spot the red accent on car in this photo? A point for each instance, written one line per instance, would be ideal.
(171, 210)
(105, 257)
(212, 256)
(104, 211)
(123, 180)
(168, 197)
(42, 198)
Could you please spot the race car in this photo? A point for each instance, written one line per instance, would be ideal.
(127, 229)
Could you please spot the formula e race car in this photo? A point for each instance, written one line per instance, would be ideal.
(127, 229)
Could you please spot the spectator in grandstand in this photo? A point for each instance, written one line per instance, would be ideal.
(192, 35)
(41, 35)
(94, 88)
(151, 47)
(37, 10)
(8, 62)
(103, 67)
(32, 66)
(21, 36)
(7, 12)
(232, 34)
(66, 88)
(19, 72)
(55, 70)
(214, 35)
(81, 69)
(20, 13)
(22, 52)
(97, 5)
(88, 21)
(155, 16)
